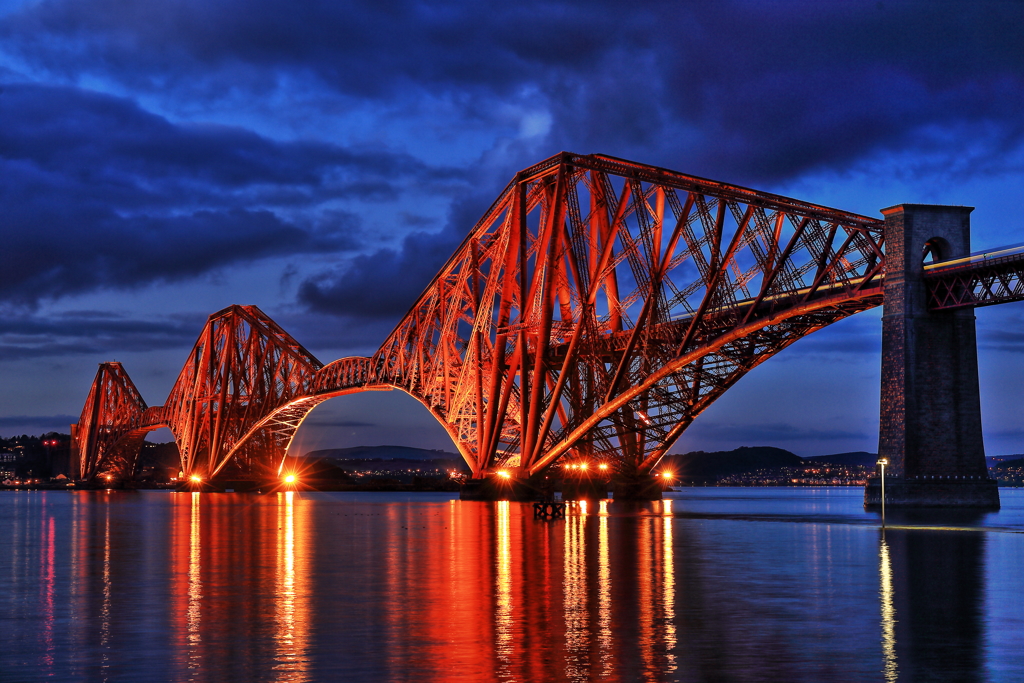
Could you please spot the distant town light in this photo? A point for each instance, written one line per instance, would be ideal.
(603, 466)
(583, 465)
(504, 474)
(195, 478)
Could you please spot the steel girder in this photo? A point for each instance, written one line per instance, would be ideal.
(982, 283)
(595, 310)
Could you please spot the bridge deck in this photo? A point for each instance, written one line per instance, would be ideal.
(995, 276)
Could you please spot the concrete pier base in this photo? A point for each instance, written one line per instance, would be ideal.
(641, 487)
(948, 492)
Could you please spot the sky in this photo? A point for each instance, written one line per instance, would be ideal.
(321, 160)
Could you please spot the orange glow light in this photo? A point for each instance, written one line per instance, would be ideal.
(196, 478)
(603, 466)
(290, 479)
(504, 474)
(583, 465)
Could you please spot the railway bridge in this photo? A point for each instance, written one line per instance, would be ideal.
(593, 312)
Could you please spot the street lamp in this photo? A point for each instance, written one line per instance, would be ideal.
(882, 462)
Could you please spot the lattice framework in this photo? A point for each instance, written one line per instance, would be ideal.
(596, 309)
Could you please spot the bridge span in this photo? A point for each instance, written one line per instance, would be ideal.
(594, 311)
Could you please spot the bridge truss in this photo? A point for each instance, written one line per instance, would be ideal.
(975, 281)
(596, 309)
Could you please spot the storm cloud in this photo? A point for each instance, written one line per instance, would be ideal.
(745, 90)
(100, 193)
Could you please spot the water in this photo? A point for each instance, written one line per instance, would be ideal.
(708, 585)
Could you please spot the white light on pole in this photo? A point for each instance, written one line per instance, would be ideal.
(882, 462)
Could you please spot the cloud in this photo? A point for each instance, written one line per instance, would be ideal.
(338, 423)
(386, 283)
(763, 92)
(743, 90)
(1006, 340)
(103, 193)
(775, 432)
(93, 333)
(13, 425)
(364, 48)
(99, 193)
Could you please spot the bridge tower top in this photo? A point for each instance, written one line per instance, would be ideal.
(915, 232)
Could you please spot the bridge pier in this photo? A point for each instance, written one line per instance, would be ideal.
(930, 418)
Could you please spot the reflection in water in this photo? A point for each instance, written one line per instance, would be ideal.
(574, 592)
(194, 616)
(888, 612)
(105, 615)
(291, 599)
(503, 593)
(47, 571)
(305, 587)
(937, 593)
(604, 593)
(668, 590)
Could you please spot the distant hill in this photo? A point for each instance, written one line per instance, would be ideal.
(699, 467)
(382, 453)
(854, 458)
(696, 467)
(1002, 460)
(1005, 464)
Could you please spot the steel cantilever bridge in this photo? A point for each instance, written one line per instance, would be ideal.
(596, 309)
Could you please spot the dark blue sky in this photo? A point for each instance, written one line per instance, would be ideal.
(161, 160)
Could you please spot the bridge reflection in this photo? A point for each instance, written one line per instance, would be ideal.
(932, 593)
(301, 587)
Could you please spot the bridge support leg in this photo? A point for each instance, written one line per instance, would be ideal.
(930, 426)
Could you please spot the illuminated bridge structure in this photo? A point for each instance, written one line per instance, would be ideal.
(594, 311)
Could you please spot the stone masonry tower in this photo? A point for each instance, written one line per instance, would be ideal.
(930, 428)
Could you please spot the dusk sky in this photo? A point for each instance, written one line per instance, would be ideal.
(162, 160)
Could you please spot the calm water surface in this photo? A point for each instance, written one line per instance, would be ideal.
(708, 585)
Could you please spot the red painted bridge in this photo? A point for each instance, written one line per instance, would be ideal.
(597, 308)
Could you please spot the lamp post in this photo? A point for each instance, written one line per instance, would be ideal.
(882, 462)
